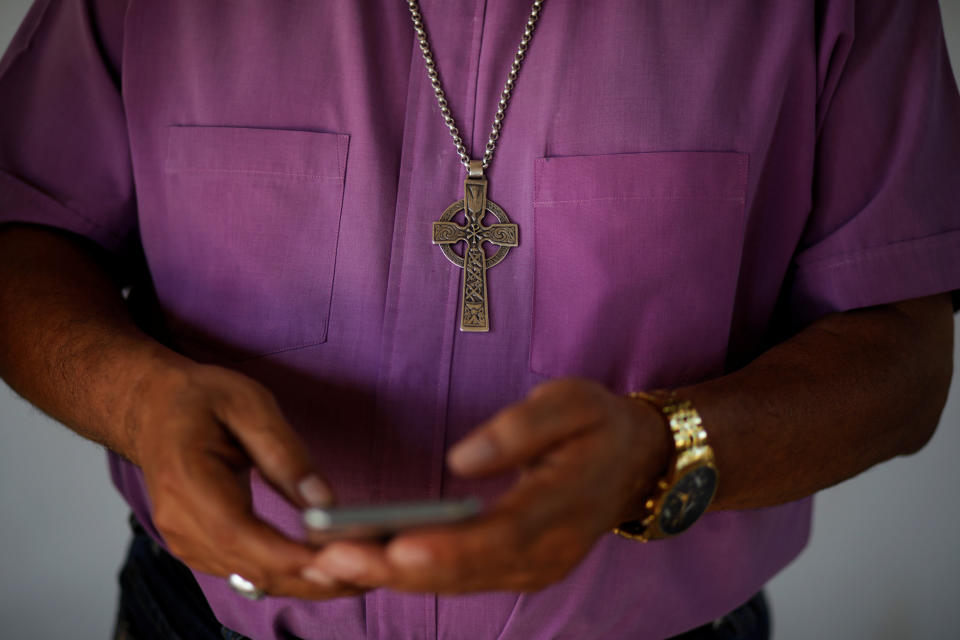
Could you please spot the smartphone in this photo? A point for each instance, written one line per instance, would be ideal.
(381, 521)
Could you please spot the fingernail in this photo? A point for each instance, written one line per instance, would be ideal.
(345, 563)
(471, 454)
(409, 555)
(315, 492)
(318, 576)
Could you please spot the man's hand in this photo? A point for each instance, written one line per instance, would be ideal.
(69, 345)
(851, 390)
(586, 455)
(199, 431)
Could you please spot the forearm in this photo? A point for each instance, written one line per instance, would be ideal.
(850, 391)
(67, 342)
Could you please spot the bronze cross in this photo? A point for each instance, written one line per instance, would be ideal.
(474, 314)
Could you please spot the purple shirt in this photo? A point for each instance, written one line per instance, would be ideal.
(690, 180)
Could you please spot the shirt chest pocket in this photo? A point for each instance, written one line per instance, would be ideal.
(252, 220)
(637, 261)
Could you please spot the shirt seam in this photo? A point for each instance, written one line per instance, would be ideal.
(877, 253)
(33, 192)
(711, 198)
(291, 174)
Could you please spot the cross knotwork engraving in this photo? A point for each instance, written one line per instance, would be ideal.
(474, 314)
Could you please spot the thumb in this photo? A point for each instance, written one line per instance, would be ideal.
(252, 416)
(524, 431)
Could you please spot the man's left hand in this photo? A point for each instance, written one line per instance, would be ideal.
(586, 458)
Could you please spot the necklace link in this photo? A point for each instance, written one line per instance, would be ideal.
(434, 75)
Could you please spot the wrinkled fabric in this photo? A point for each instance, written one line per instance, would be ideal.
(691, 181)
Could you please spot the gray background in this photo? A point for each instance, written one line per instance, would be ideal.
(884, 562)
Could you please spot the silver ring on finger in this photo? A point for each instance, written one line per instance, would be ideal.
(244, 587)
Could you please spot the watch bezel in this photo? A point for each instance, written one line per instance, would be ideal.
(687, 463)
(648, 528)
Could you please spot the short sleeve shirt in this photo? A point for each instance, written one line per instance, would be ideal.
(691, 182)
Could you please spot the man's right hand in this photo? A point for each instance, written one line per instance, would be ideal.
(198, 432)
(69, 345)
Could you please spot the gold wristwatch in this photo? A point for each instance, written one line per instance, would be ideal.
(684, 494)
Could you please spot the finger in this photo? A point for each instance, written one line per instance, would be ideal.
(316, 588)
(536, 532)
(485, 553)
(524, 431)
(503, 551)
(452, 560)
(355, 562)
(253, 417)
(532, 537)
(422, 564)
(287, 579)
(300, 581)
(310, 584)
(218, 516)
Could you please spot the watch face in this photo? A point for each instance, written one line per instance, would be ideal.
(688, 499)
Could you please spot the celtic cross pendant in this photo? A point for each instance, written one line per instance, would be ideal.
(474, 312)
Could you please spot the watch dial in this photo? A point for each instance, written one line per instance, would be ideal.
(688, 499)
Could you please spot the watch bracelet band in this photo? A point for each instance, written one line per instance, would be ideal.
(684, 421)
(686, 428)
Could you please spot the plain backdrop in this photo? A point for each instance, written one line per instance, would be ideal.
(884, 562)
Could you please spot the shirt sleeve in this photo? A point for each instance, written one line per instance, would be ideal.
(64, 152)
(885, 224)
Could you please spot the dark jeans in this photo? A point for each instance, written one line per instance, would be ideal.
(160, 600)
(750, 621)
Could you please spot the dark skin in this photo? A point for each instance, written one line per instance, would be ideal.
(851, 390)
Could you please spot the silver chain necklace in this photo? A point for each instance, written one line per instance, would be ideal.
(474, 315)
